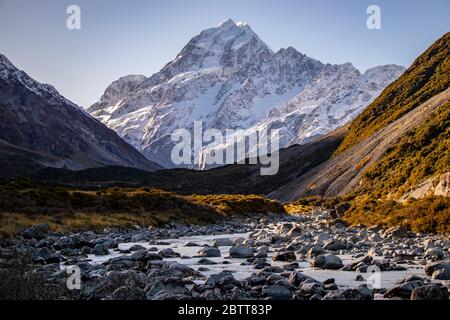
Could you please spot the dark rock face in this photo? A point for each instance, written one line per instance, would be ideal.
(40, 128)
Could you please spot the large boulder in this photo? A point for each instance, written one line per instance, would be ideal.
(315, 251)
(38, 232)
(364, 261)
(145, 256)
(403, 290)
(206, 261)
(308, 289)
(397, 232)
(169, 285)
(334, 245)
(179, 270)
(75, 241)
(110, 243)
(321, 237)
(209, 252)
(366, 292)
(434, 254)
(277, 292)
(430, 292)
(214, 279)
(296, 278)
(441, 274)
(127, 293)
(100, 250)
(139, 238)
(284, 256)
(328, 261)
(283, 229)
(240, 251)
(439, 270)
(136, 247)
(223, 242)
(46, 256)
(347, 294)
(168, 253)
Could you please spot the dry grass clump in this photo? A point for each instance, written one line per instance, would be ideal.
(239, 204)
(297, 209)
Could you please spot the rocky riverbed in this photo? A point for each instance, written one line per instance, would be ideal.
(289, 257)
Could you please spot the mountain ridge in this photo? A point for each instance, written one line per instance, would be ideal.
(428, 72)
(40, 128)
(342, 174)
(227, 77)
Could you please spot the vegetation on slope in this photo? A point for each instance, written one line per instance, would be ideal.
(430, 214)
(427, 76)
(24, 203)
(421, 153)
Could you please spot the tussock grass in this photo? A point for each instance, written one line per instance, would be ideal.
(24, 203)
(297, 209)
(420, 154)
(431, 214)
(230, 204)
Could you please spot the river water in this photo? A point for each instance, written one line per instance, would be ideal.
(241, 269)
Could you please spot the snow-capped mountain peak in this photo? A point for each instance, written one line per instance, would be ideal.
(228, 78)
(226, 45)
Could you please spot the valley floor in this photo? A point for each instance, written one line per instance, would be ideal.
(302, 257)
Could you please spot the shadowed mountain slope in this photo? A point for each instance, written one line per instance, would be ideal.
(40, 128)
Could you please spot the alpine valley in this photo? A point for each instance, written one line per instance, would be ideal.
(358, 210)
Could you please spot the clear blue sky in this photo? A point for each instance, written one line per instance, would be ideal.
(118, 38)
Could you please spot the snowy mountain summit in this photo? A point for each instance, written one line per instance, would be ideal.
(228, 78)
